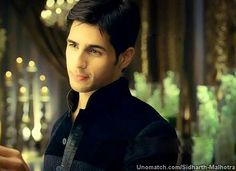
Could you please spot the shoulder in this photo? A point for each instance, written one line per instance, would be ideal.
(135, 105)
(136, 116)
(160, 128)
(155, 144)
(138, 112)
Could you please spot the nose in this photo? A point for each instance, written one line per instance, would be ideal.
(81, 60)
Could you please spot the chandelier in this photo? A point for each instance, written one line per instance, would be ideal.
(55, 12)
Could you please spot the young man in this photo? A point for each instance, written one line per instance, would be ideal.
(105, 128)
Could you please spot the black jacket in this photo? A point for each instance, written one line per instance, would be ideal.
(116, 132)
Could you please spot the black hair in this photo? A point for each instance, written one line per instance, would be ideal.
(120, 19)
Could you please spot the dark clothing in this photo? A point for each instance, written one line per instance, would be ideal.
(116, 132)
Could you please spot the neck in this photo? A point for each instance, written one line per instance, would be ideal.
(82, 103)
(83, 99)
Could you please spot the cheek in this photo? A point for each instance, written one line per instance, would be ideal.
(69, 59)
(104, 70)
(101, 65)
(68, 63)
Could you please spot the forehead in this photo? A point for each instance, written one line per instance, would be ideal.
(87, 33)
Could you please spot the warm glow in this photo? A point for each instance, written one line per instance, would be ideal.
(58, 10)
(25, 118)
(55, 11)
(31, 64)
(36, 132)
(60, 2)
(43, 14)
(50, 3)
(44, 89)
(42, 78)
(8, 74)
(187, 113)
(26, 133)
(46, 14)
(19, 60)
(70, 1)
(22, 89)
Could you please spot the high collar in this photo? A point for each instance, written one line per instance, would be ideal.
(101, 98)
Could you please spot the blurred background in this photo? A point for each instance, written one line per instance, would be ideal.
(184, 67)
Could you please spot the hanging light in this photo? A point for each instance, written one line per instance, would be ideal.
(55, 12)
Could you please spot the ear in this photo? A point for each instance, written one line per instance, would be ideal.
(126, 57)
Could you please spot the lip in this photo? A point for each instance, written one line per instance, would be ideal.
(79, 77)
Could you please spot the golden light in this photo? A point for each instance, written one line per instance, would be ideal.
(60, 2)
(44, 90)
(31, 63)
(55, 11)
(187, 113)
(70, 1)
(50, 3)
(19, 60)
(26, 133)
(46, 14)
(36, 132)
(58, 10)
(8, 74)
(31, 67)
(22, 89)
(42, 77)
(25, 119)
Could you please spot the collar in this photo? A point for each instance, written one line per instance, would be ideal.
(103, 97)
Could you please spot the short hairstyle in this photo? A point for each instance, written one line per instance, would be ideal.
(120, 19)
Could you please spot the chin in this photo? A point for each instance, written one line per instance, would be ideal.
(81, 89)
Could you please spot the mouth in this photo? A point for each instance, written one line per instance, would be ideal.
(79, 77)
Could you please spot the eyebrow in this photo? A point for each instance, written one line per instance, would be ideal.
(88, 46)
(71, 41)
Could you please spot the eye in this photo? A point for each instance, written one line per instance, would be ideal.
(73, 45)
(94, 52)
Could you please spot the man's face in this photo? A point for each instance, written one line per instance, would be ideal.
(90, 58)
